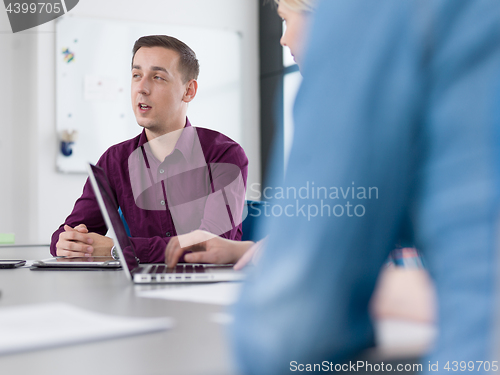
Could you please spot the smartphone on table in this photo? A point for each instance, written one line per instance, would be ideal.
(11, 263)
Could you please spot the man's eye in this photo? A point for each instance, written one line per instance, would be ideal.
(158, 77)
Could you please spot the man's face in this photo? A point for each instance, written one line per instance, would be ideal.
(158, 91)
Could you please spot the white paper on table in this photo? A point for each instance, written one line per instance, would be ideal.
(30, 327)
(223, 293)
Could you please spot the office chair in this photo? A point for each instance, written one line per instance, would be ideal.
(255, 210)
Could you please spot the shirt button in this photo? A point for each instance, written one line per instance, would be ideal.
(162, 171)
(162, 203)
(168, 234)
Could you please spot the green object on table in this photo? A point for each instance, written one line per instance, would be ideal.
(7, 238)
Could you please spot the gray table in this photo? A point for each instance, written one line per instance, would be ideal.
(196, 345)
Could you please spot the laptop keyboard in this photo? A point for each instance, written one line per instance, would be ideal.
(180, 268)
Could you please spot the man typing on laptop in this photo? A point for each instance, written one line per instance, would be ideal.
(172, 178)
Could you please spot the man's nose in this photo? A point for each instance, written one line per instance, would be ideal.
(143, 87)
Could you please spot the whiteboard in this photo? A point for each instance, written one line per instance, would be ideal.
(93, 64)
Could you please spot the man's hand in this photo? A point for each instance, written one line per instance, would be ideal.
(78, 242)
(206, 248)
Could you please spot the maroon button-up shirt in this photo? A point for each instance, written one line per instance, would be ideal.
(200, 185)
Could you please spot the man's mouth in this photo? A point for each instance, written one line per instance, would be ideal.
(144, 107)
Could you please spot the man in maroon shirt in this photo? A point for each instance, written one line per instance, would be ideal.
(172, 178)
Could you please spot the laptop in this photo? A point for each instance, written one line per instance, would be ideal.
(148, 273)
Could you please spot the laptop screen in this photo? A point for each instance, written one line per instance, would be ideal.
(117, 226)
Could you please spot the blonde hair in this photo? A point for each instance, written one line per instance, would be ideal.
(298, 5)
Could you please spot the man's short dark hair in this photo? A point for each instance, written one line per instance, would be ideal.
(188, 63)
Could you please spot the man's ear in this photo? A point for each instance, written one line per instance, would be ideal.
(191, 89)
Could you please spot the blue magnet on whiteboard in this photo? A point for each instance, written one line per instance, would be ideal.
(68, 138)
(66, 148)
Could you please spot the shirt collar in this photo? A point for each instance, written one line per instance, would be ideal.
(184, 143)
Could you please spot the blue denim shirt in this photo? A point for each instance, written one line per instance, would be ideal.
(400, 96)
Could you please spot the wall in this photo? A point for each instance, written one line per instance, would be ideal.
(34, 198)
(17, 132)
